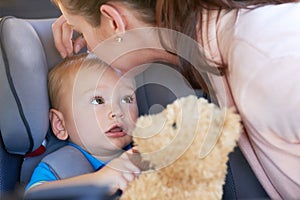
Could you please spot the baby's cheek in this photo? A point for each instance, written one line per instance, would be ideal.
(132, 122)
(133, 112)
(134, 117)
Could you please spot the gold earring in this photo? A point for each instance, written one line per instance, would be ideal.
(119, 39)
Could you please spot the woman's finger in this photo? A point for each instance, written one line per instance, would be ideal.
(67, 34)
(57, 35)
(79, 43)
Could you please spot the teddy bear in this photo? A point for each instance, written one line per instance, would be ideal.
(186, 147)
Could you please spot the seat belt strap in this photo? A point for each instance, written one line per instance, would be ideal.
(67, 162)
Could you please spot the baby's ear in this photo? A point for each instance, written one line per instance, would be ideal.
(58, 124)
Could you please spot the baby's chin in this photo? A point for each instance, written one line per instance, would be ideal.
(120, 142)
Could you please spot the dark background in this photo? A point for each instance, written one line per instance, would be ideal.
(30, 9)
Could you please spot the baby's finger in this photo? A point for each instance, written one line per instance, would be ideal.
(129, 176)
(137, 160)
(132, 168)
(135, 149)
(122, 182)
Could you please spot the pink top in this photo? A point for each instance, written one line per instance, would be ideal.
(262, 50)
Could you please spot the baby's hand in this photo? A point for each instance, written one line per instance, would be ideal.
(119, 172)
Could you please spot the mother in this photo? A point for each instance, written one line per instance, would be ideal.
(255, 45)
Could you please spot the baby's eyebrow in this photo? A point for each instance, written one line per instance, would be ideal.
(98, 89)
(129, 89)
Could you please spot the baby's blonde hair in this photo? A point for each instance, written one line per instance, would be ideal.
(63, 75)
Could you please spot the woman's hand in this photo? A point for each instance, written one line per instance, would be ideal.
(63, 38)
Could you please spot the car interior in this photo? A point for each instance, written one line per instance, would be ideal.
(27, 52)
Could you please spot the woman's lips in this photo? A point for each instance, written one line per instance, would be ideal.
(115, 132)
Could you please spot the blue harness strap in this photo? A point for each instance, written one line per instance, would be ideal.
(67, 162)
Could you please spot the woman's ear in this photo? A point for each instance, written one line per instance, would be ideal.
(58, 124)
(116, 21)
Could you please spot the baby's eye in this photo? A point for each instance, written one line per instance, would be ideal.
(127, 99)
(98, 100)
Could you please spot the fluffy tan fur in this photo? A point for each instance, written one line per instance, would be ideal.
(187, 146)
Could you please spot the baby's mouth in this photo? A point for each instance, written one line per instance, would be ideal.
(115, 132)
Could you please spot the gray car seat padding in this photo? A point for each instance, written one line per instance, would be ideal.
(23, 78)
(68, 162)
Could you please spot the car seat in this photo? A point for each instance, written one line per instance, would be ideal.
(27, 53)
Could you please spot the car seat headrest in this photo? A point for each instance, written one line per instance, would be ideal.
(24, 62)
